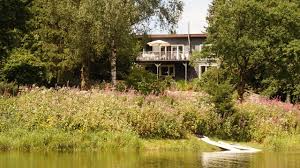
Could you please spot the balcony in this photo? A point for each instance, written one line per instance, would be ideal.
(163, 56)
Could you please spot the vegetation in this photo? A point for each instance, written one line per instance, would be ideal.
(257, 44)
(65, 119)
(75, 38)
(68, 42)
(146, 82)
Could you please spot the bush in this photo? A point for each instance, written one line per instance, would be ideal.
(24, 68)
(238, 127)
(221, 96)
(68, 110)
(121, 86)
(9, 89)
(145, 82)
(70, 119)
(221, 92)
(263, 121)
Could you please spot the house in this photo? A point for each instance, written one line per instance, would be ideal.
(170, 55)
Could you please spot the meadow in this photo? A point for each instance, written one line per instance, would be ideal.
(73, 120)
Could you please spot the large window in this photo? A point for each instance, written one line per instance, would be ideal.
(167, 70)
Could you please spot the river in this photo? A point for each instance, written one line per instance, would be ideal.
(149, 160)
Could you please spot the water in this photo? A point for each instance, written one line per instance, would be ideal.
(149, 160)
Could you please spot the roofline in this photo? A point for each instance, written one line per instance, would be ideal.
(154, 36)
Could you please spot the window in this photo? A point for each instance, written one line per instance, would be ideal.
(164, 71)
(203, 69)
(180, 48)
(167, 70)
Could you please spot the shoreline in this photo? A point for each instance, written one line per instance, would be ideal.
(112, 142)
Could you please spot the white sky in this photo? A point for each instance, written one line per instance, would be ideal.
(195, 12)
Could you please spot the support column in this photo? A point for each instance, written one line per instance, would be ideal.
(177, 56)
(185, 71)
(200, 71)
(157, 70)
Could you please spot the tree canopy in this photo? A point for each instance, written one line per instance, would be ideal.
(77, 35)
(257, 42)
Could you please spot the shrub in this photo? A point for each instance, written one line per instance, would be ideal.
(121, 86)
(24, 68)
(145, 82)
(221, 93)
(70, 119)
(265, 121)
(182, 85)
(9, 89)
(221, 96)
(238, 127)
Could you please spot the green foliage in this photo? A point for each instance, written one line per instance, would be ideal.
(220, 93)
(23, 68)
(252, 54)
(13, 16)
(271, 121)
(121, 86)
(9, 89)
(73, 120)
(238, 126)
(145, 82)
(72, 35)
(283, 143)
(88, 113)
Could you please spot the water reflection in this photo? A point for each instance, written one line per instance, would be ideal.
(149, 160)
(226, 160)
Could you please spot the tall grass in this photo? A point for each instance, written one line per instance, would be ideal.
(70, 119)
(103, 120)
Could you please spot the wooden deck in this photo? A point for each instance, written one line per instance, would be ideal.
(163, 56)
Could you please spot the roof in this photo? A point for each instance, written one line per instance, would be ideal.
(160, 36)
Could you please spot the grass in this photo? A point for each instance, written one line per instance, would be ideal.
(54, 140)
(71, 120)
(190, 144)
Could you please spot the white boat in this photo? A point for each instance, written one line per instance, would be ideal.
(232, 148)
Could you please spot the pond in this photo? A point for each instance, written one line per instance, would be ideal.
(149, 160)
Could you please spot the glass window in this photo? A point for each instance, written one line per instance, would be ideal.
(203, 69)
(167, 70)
(174, 48)
(180, 48)
(164, 71)
(171, 71)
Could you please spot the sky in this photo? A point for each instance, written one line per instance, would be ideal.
(195, 12)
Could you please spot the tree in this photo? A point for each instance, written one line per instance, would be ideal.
(121, 20)
(23, 68)
(13, 15)
(84, 30)
(248, 36)
(48, 37)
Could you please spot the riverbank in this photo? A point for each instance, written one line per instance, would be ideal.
(71, 120)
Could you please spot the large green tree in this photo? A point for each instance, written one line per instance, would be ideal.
(121, 20)
(255, 40)
(75, 32)
(13, 15)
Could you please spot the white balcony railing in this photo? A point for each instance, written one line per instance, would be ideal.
(163, 56)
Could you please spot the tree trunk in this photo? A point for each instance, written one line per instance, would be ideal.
(241, 89)
(288, 98)
(113, 63)
(84, 76)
